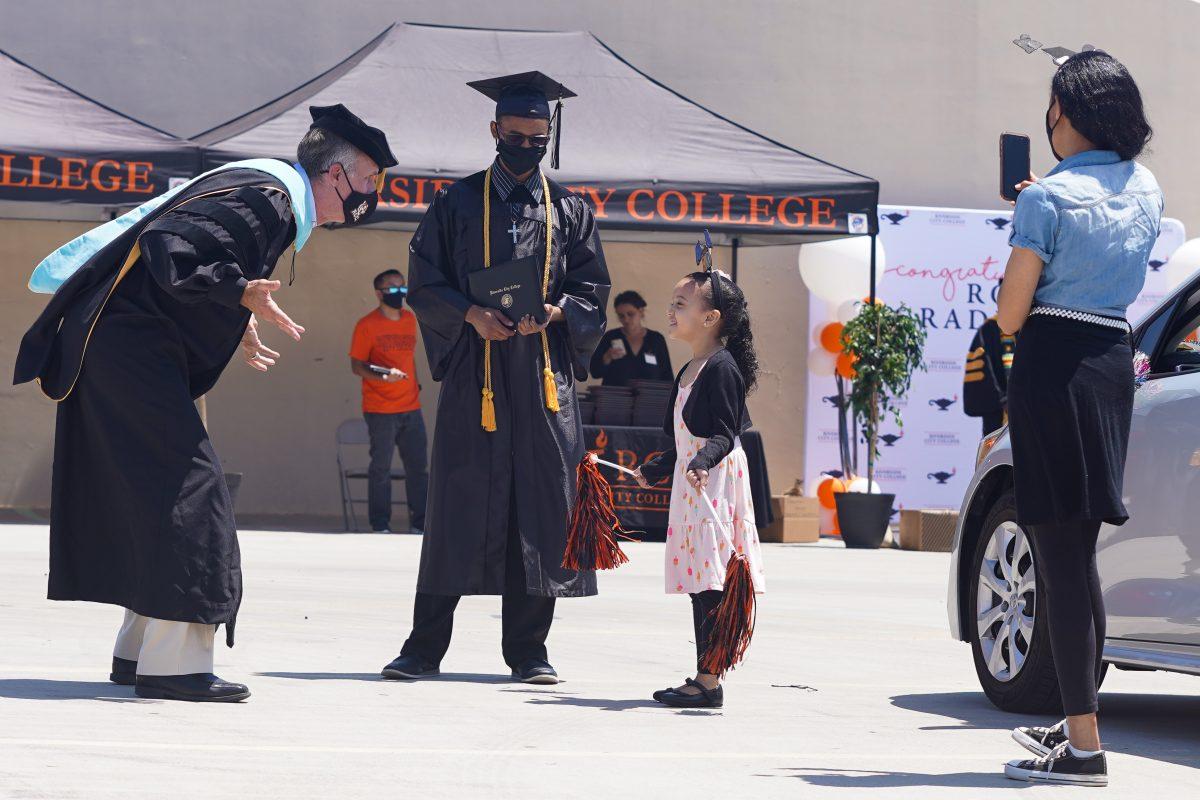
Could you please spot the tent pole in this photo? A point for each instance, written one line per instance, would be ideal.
(733, 265)
(872, 300)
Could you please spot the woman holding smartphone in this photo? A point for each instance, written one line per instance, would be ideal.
(633, 351)
(1081, 239)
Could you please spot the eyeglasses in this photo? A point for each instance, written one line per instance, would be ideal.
(395, 290)
(514, 139)
(378, 180)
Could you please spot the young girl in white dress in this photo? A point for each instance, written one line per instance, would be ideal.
(712, 551)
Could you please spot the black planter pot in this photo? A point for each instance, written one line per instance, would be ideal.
(233, 482)
(863, 518)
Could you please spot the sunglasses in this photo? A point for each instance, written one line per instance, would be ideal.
(395, 290)
(514, 139)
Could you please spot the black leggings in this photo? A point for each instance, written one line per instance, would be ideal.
(703, 604)
(1070, 588)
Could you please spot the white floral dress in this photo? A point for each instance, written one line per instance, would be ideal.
(697, 550)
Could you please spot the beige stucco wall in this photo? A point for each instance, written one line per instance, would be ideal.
(913, 94)
(278, 428)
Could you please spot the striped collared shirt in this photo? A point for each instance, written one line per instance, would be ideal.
(505, 183)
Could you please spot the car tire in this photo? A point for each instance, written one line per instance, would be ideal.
(1034, 687)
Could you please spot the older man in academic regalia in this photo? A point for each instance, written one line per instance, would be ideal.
(508, 437)
(152, 309)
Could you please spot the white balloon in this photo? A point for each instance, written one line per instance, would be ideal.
(840, 269)
(848, 311)
(822, 362)
(859, 486)
(1183, 263)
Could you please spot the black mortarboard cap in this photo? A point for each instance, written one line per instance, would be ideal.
(527, 94)
(339, 121)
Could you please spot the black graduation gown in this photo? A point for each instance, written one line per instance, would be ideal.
(985, 377)
(532, 456)
(140, 514)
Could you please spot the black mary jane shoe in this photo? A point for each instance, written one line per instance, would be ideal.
(703, 698)
(124, 672)
(200, 687)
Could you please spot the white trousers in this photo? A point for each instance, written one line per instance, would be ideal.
(164, 647)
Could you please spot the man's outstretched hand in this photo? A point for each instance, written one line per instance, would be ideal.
(254, 352)
(257, 298)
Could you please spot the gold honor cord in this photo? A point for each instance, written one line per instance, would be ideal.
(488, 414)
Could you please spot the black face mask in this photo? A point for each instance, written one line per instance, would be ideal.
(395, 300)
(357, 206)
(519, 159)
(1050, 131)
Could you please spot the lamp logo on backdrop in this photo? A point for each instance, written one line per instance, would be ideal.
(945, 264)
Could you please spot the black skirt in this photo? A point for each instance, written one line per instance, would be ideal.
(1070, 404)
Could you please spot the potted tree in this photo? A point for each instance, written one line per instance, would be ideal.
(885, 345)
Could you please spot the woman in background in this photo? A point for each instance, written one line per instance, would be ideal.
(1081, 239)
(633, 351)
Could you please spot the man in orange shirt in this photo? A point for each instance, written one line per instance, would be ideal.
(381, 353)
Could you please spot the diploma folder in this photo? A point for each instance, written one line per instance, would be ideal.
(514, 288)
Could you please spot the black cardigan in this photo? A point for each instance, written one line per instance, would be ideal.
(715, 410)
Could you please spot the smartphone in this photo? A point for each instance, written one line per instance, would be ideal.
(1014, 163)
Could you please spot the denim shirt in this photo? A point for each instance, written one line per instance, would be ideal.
(1092, 220)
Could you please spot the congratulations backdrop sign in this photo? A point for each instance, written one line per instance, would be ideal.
(945, 265)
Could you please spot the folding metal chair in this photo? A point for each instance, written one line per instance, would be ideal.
(353, 435)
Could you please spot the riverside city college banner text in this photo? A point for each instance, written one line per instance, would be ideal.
(945, 264)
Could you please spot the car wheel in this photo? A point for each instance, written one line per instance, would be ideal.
(1008, 630)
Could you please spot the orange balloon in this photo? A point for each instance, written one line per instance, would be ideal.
(831, 337)
(827, 488)
(845, 366)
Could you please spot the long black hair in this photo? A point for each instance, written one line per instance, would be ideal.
(1101, 99)
(735, 331)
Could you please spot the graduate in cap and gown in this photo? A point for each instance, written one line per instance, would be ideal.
(508, 438)
(142, 325)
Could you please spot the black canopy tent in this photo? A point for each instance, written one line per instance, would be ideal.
(64, 155)
(646, 157)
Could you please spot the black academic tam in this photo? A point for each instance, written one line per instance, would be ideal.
(522, 475)
(140, 515)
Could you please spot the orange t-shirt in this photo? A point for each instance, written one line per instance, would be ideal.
(388, 343)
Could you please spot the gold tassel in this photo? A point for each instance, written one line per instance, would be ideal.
(489, 412)
(551, 389)
(487, 416)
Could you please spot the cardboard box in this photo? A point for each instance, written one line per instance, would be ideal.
(797, 519)
(931, 530)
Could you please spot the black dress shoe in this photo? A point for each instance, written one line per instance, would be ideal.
(704, 698)
(535, 670)
(124, 672)
(200, 687)
(407, 668)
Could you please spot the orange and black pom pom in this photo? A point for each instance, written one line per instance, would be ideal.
(592, 537)
(733, 619)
